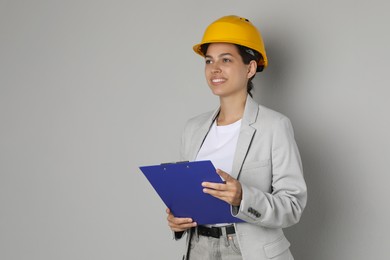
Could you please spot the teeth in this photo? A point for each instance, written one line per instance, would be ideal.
(217, 80)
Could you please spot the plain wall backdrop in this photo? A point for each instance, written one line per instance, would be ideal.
(90, 90)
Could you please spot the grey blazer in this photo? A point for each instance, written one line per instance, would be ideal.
(268, 165)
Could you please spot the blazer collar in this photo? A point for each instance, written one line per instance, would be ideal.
(251, 111)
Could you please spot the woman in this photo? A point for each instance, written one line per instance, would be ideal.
(253, 149)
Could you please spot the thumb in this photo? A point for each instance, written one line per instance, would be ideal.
(224, 175)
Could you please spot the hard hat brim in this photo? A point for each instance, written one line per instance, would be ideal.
(262, 63)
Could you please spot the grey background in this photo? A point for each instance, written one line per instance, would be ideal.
(90, 90)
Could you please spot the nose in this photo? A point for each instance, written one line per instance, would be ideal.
(216, 68)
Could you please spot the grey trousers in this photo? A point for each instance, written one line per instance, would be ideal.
(209, 248)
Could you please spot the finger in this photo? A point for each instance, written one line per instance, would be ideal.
(224, 175)
(226, 196)
(180, 228)
(181, 224)
(216, 193)
(170, 215)
(214, 186)
(178, 221)
(222, 195)
(182, 221)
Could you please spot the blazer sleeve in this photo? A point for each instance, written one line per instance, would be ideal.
(284, 204)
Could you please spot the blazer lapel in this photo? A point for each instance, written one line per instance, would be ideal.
(246, 135)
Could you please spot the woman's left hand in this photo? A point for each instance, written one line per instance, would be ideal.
(230, 191)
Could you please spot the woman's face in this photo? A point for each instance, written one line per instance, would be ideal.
(226, 73)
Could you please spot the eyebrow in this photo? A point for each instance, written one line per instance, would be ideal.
(220, 55)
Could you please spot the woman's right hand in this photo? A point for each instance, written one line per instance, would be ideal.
(179, 224)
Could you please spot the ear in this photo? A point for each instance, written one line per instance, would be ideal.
(252, 67)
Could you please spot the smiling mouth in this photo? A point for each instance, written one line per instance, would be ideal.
(218, 80)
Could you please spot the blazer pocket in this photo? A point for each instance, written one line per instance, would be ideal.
(277, 247)
(257, 164)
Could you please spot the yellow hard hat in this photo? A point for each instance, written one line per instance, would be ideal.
(237, 30)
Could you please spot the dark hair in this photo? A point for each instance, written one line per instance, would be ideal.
(247, 56)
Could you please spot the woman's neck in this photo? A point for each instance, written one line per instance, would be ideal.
(232, 109)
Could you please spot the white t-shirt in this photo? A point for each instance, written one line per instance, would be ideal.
(219, 147)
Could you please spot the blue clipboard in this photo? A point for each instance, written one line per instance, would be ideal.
(179, 185)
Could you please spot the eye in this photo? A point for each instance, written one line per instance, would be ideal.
(207, 61)
(226, 60)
